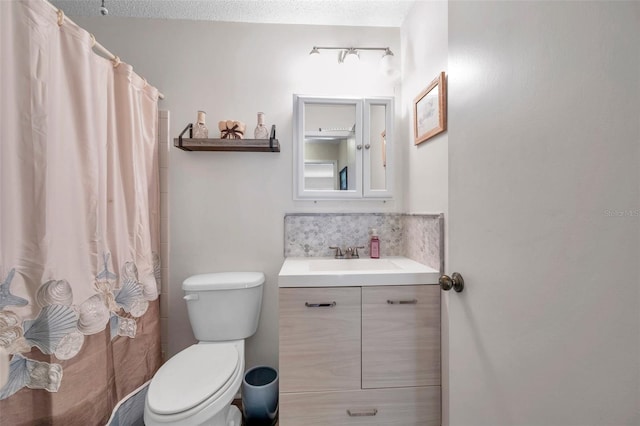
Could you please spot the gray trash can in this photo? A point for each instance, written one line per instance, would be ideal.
(260, 396)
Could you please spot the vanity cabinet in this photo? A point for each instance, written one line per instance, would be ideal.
(360, 355)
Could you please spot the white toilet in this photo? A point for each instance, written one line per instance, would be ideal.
(197, 385)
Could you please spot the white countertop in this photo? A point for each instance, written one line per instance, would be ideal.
(330, 272)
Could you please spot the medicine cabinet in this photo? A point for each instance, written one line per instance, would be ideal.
(343, 148)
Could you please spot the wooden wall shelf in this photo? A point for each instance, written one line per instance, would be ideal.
(256, 145)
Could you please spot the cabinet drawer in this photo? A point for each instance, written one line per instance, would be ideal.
(319, 346)
(400, 336)
(388, 407)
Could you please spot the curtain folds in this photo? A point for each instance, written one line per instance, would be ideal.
(79, 223)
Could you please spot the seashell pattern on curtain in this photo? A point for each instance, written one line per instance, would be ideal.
(79, 224)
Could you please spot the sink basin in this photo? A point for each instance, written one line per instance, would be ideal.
(329, 272)
(337, 265)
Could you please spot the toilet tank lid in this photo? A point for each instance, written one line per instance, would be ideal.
(223, 281)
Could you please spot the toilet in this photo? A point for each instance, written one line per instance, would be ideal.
(197, 385)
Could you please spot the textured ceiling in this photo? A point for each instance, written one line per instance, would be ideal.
(377, 13)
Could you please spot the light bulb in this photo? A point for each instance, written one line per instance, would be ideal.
(314, 57)
(387, 63)
(351, 57)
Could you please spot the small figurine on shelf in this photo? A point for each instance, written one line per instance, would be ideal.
(261, 131)
(231, 129)
(200, 130)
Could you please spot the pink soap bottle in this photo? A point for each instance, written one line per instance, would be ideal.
(374, 244)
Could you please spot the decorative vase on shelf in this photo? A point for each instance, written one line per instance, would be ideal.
(200, 130)
(261, 131)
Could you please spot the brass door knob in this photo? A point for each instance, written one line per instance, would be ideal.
(454, 281)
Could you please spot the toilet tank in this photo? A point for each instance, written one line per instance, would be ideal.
(224, 306)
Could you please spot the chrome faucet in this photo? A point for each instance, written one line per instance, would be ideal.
(352, 252)
(349, 252)
(338, 254)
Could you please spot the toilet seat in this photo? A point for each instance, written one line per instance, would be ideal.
(193, 378)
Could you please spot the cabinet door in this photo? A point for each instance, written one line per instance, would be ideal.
(400, 336)
(372, 407)
(319, 345)
(378, 148)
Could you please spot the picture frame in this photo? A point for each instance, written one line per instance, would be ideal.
(430, 110)
(344, 184)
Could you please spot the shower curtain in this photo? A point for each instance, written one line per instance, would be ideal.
(79, 222)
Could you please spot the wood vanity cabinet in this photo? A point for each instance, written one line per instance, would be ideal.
(360, 355)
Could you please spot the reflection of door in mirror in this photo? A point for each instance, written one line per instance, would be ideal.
(377, 156)
(329, 138)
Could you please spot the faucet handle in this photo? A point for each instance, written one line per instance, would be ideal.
(338, 250)
(355, 251)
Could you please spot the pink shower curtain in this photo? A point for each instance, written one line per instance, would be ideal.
(79, 221)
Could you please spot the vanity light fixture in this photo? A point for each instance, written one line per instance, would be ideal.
(349, 55)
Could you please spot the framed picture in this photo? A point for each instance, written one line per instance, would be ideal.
(430, 110)
(343, 179)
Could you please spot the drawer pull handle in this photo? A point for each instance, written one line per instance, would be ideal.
(319, 305)
(403, 302)
(369, 413)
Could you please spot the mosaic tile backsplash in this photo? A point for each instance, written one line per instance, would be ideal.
(424, 239)
(418, 237)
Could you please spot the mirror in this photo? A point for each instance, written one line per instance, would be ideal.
(329, 145)
(342, 147)
(378, 141)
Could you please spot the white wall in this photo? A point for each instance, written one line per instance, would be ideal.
(424, 43)
(227, 208)
(424, 55)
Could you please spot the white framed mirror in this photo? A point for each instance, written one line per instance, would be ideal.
(342, 147)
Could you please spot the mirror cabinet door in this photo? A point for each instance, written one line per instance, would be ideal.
(378, 152)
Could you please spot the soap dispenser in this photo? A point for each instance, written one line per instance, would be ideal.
(374, 244)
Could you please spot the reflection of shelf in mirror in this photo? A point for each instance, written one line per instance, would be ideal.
(319, 169)
(247, 145)
(328, 135)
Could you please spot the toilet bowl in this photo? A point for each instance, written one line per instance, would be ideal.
(198, 385)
